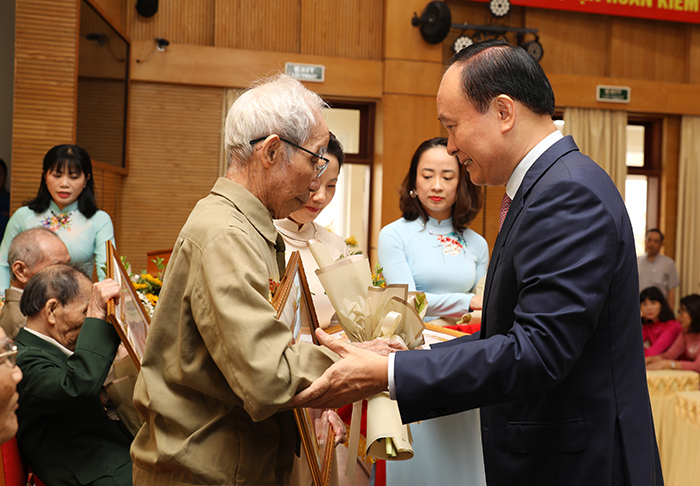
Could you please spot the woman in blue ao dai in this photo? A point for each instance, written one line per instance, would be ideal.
(432, 250)
(66, 205)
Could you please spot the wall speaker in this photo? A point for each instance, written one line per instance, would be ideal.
(147, 8)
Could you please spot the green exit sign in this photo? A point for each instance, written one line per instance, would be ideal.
(612, 94)
(315, 73)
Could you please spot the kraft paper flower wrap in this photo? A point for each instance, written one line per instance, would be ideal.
(366, 312)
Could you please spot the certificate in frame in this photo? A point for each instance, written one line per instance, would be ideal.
(295, 307)
(128, 317)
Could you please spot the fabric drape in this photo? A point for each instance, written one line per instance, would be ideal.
(602, 135)
(687, 228)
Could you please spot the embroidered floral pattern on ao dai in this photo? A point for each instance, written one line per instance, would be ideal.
(452, 243)
(56, 222)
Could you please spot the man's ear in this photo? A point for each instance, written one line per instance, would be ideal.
(50, 309)
(21, 272)
(269, 150)
(505, 107)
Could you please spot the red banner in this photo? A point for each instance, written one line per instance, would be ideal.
(687, 11)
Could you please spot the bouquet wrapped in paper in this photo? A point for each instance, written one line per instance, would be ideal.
(366, 312)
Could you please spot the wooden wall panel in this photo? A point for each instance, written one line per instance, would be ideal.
(348, 28)
(45, 80)
(260, 25)
(108, 186)
(570, 47)
(645, 49)
(174, 153)
(694, 54)
(114, 10)
(181, 21)
(401, 39)
(669, 182)
(100, 119)
(408, 121)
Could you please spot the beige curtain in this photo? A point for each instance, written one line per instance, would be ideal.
(602, 135)
(688, 220)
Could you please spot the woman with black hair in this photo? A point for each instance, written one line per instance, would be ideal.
(659, 326)
(433, 250)
(684, 353)
(66, 205)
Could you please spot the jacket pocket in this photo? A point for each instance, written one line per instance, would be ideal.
(102, 466)
(546, 437)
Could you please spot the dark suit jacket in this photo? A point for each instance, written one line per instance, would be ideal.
(65, 435)
(559, 366)
(11, 318)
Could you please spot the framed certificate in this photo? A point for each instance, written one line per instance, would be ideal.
(129, 317)
(294, 306)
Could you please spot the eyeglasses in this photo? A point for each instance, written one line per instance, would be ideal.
(8, 351)
(320, 169)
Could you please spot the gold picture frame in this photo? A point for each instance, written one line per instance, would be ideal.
(128, 317)
(294, 305)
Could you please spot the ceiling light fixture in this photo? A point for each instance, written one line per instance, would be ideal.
(499, 8)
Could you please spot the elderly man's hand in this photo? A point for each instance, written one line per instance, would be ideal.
(338, 428)
(102, 292)
(382, 347)
(359, 374)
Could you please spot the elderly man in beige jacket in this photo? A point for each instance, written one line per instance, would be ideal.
(218, 371)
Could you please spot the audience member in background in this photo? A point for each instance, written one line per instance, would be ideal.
(10, 375)
(29, 252)
(432, 250)
(299, 227)
(66, 205)
(684, 353)
(655, 269)
(4, 198)
(659, 326)
(65, 353)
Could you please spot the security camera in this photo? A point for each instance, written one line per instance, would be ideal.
(161, 44)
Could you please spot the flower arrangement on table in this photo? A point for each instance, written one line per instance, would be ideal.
(147, 286)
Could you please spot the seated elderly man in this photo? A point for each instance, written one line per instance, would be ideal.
(65, 352)
(218, 371)
(29, 252)
(10, 375)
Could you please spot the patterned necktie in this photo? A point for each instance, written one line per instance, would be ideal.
(279, 249)
(505, 205)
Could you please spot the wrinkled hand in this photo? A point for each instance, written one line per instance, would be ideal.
(382, 347)
(340, 431)
(359, 374)
(477, 302)
(102, 292)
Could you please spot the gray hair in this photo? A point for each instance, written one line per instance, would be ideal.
(25, 247)
(60, 282)
(278, 105)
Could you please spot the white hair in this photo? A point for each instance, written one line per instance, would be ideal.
(278, 105)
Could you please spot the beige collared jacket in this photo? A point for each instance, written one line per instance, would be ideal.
(218, 369)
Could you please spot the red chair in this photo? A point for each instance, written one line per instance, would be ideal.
(13, 472)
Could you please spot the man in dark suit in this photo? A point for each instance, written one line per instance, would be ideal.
(65, 352)
(558, 369)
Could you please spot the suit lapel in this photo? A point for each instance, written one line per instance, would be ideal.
(534, 174)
